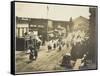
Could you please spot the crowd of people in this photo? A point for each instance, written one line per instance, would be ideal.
(74, 39)
(55, 44)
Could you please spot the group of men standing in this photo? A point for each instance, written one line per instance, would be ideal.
(55, 44)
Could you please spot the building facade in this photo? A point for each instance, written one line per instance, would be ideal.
(42, 26)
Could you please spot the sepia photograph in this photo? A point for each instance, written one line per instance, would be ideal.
(51, 37)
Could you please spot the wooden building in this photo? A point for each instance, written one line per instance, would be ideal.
(39, 25)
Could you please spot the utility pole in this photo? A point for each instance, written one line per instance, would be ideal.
(47, 22)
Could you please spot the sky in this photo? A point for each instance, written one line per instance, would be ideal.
(50, 11)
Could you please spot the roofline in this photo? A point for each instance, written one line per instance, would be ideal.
(43, 19)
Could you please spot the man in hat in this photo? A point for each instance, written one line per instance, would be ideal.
(66, 61)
